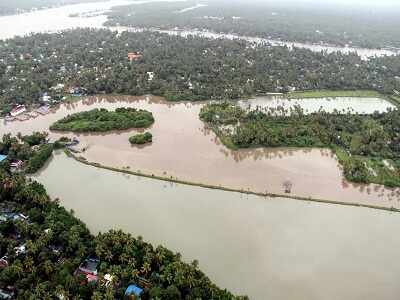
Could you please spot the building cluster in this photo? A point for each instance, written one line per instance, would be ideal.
(88, 272)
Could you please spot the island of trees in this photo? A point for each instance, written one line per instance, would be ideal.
(367, 146)
(141, 138)
(44, 250)
(101, 120)
(96, 61)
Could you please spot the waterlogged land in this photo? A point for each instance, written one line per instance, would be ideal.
(184, 148)
(278, 248)
(347, 103)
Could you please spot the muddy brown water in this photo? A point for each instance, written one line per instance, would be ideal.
(266, 248)
(184, 148)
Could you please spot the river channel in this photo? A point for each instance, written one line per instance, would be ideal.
(267, 248)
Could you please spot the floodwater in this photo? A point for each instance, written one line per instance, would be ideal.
(184, 148)
(59, 18)
(266, 248)
(341, 104)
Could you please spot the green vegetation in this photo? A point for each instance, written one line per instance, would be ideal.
(29, 152)
(101, 120)
(42, 245)
(39, 158)
(367, 146)
(193, 68)
(141, 138)
(333, 93)
(330, 23)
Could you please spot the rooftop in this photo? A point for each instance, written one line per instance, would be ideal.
(133, 290)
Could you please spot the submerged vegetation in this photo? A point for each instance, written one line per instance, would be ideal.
(43, 247)
(141, 138)
(367, 146)
(101, 120)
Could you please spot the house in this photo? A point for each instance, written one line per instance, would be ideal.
(43, 110)
(16, 165)
(108, 279)
(16, 111)
(133, 292)
(134, 56)
(88, 268)
(2, 157)
(150, 76)
(6, 294)
(3, 262)
(20, 249)
(46, 98)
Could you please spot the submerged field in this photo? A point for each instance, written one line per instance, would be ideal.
(367, 145)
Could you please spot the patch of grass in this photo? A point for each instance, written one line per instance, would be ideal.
(332, 93)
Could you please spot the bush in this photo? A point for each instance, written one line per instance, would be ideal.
(141, 138)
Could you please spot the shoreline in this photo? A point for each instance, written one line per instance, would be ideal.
(226, 189)
(297, 95)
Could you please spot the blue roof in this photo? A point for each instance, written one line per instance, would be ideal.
(2, 157)
(133, 290)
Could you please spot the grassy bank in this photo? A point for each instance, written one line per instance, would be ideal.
(332, 93)
(227, 189)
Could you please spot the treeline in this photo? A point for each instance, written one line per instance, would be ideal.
(297, 21)
(100, 120)
(177, 68)
(42, 244)
(369, 144)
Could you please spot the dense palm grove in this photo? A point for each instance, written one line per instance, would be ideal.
(42, 244)
(178, 68)
(368, 146)
(100, 120)
(291, 21)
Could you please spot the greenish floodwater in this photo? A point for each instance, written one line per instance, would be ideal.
(266, 248)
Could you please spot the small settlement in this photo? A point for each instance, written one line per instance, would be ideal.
(54, 96)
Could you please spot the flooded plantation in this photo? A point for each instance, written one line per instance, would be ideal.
(184, 148)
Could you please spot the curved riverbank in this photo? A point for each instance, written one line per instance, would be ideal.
(295, 248)
(222, 188)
